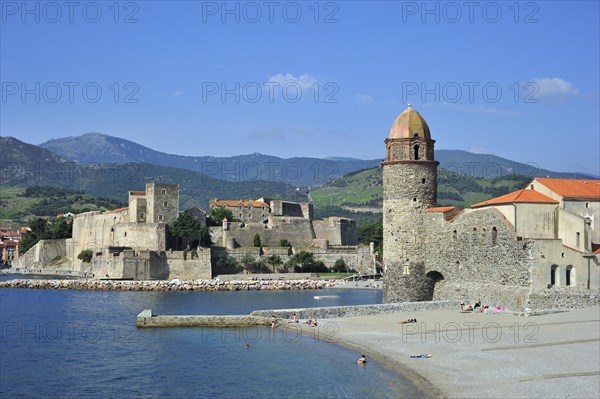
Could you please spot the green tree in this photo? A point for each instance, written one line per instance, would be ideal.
(284, 243)
(248, 262)
(190, 230)
(340, 266)
(301, 261)
(85, 255)
(256, 240)
(371, 232)
(274, 261)
(218, 213)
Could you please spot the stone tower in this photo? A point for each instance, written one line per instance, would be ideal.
(409, 187)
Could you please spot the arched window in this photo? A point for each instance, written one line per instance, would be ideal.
(454, 235)
(416, 152)
(494, 236)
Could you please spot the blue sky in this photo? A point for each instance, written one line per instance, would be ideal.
(515, 79)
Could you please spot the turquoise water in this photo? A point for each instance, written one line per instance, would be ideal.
(84, 344)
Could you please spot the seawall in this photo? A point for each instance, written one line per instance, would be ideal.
(146, 319)
(172, 285)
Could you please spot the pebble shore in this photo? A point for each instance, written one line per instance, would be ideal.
(172, 285)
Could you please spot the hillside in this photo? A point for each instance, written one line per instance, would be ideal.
(93, 148)
(27, 165)
(19, 204)
(363, 190)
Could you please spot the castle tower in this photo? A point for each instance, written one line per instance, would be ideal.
(409, 187)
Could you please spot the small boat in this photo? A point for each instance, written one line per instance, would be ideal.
(326, 296)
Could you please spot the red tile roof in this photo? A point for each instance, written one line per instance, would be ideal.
(137, 193)
(443, 209)
(573, 188)
(236, 203)
(521, 196)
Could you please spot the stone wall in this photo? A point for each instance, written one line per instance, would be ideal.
(563, 298)
(45, 255)
(152, 265)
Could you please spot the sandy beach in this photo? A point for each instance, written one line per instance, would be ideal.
(475, 355)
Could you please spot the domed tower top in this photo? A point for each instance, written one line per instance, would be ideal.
(410, 124)
(410, 139)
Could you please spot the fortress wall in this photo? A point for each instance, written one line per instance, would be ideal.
(46, 255)
(465, 250)
(296, 231)
(195, 268)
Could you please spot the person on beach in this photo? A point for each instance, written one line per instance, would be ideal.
(294, 318)
(462, 305)
(273, 321)
(407, 321)
(361, 360)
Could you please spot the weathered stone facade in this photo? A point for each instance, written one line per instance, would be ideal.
(483, 253)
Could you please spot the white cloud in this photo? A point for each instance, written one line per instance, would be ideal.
(363, 98)
(305, 80)
(554, 89)
(178, 93)
(479, 150)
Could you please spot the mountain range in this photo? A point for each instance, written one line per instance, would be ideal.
(93, 148)
(110, 167)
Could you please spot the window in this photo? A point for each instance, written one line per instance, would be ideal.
(494, 236)
(166, 204)
(423, 180)
(163, 191)
(587, 204)
(531, 186)
(160, 218)
(125, 234)
(454, 235)
(416, 152)
(577, 239)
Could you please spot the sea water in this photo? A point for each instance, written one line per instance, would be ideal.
(84, 344)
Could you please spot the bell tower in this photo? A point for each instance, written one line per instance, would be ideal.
(409, 188)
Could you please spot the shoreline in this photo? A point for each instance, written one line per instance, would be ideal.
(476, 355)
(165, 285)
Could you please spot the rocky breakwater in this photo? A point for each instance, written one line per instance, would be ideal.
(172, 285)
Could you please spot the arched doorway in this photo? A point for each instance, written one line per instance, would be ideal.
(433, 279)
(553, 275)
(570, 276)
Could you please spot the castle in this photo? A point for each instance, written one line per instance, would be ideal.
(132, 242)
(537, 247)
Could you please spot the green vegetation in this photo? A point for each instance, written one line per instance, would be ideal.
(371, 232)
(19, 204)
(190, 232)
(274, 261)
(304, 262)
(256, 241)
(218, 213)
(226, 265)
(85, 255)
(45, 229)
(362, 191)
(284, 243)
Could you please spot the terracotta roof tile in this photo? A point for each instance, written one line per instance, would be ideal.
(236, 203)
(521, 196)
(573, 188)
(117, 210)
(137, 193)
